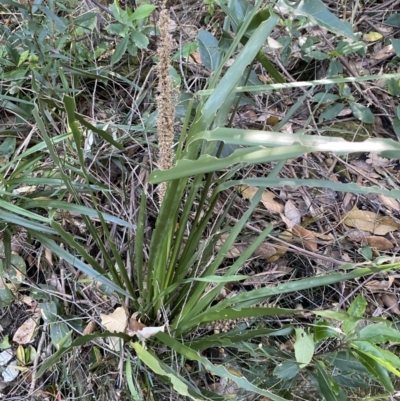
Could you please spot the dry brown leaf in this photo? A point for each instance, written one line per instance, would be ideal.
(380, 243)
(26, 331)
(267, 199)
(115, 322)
(90, 328)
(389, 202)
(377, 161)
(391, 302)
(264, 250)
(378, 285)
(369, 221)
(136, 328)
(292, 212)
(307, 237)
(385, 52)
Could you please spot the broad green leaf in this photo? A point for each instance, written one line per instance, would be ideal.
(362, 113)
(393, 20)
(303, 348)
(324, 97)
(142, 11)
(318, 13)
(59, 335)
(154, 365)
(396, 46)
(328, 387)
(331, 112)
(120, 50)
(396, 127)
(6, 296)
(210, 53)
(323, 330)
(5, 342)
(140, 40)
(375, 369)
(356, 309)
(7, 148)
(287, 370)
(117, 29)
(385, 358)
(379, 333)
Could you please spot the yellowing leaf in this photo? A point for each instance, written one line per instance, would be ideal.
(115, 322)
(267, 199)
(370, 221)
(372, 36)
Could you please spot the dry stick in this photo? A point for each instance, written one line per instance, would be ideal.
(36, 362)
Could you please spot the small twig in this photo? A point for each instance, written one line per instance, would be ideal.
(36, 362)
(101, 6)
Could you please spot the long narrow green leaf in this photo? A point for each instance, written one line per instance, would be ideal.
(304, 84)
(220, 371)
(155, 366)
(261, 294)
(76, 262)
(71, 207)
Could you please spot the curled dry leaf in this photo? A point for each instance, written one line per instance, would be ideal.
(26, 331)
(136, 328)
(90, 328)
(292, 212)
(267, 199)
(389, 202)
(377, 161)
(307, 237)
(380, 243)
(370, 221)
(379, 285)
(391, 302)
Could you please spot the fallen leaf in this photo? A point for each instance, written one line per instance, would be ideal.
(264, 250)
(26, 331)
(372, 36)
(380, 243)
(379, 285)
(90, 328)
(115, 322)
(307, 237)
(292, 212)
(377, 161)
(391, 302)
(385, 52)
(389, 202)
(370, 221)
(267, 199)
(136, 328)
